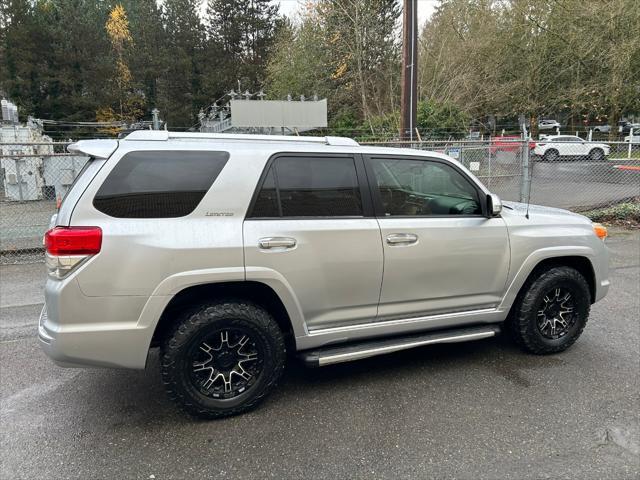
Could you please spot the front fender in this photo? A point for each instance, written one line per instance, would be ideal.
(533, 260)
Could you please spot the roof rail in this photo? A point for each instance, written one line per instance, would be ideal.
(162, 135)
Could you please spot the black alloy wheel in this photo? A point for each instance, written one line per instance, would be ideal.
(225, 363)
(556, 315)
(222, 358)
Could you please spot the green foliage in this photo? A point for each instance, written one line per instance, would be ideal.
(345, 50)
(244, 32)
(299, 62)
(69, 60)
(345, 124)
(505, 58)
(575, 58)
(441, 119)
(627, 212)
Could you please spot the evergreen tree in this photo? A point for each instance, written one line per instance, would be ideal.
(180, 82)
(147, 56)
(244, 31)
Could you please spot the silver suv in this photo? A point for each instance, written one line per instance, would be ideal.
(228, 251)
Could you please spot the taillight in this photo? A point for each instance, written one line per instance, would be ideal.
(73, 240)
(67, 247)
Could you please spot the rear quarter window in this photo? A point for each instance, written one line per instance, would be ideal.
(158, 184)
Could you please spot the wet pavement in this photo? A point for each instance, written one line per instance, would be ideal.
(475, 410)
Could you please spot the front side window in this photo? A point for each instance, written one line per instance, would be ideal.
(309, 187)
(410, 187)
(158, 184)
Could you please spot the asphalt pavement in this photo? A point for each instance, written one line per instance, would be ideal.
(476, 410)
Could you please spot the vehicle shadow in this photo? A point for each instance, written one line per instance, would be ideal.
(137, 398)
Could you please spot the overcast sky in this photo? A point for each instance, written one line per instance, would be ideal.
(425, 8)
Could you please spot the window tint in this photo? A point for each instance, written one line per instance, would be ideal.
(158, 184)
(267, 204)
(422, 187)
(310, 187)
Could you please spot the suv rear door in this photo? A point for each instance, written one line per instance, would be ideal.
(441, 254)
(311, 224)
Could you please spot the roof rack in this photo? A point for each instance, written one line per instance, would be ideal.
(163, 135)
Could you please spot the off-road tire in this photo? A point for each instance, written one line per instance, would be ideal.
(191, 328)
(522, 323)
(551, 155)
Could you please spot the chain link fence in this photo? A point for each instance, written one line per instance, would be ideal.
(563, 172)
(35, 178)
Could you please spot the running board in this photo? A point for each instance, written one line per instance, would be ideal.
(371, 348)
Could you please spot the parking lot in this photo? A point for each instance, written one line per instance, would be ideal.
(476, 410)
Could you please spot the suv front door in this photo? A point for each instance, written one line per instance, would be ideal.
(441, 254)
(311, 224)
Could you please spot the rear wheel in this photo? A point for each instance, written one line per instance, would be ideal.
(551, 155)
(596, 154)
(551, 311)
(222, 359)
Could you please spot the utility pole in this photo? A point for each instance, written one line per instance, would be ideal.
(409, 97)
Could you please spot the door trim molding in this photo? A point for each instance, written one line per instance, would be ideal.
(321, 337)
(398, 322)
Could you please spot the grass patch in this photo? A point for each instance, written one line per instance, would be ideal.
(626, 214)
(623, 154)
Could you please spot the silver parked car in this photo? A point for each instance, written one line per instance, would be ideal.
(228, 251)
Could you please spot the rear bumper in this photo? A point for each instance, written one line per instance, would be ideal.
(93, 345)
(75, 330)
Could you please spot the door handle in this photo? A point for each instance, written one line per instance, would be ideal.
(402, 239)
(277, 242)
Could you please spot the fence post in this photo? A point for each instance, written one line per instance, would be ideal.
(525, 178)
(19, 177)
(155, 118)
(489, 168)
(630, 142)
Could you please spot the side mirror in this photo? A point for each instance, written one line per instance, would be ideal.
(494, 205)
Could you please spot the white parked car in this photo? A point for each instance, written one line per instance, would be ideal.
(548, 124)
(602, 128)
(632, 139)
(552, 147)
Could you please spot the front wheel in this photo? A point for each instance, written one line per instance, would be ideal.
(222, 359)
(551, 311)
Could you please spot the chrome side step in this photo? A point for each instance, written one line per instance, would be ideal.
(371, 348)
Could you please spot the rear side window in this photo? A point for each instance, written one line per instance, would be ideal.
(158, 184)
(309, 187)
